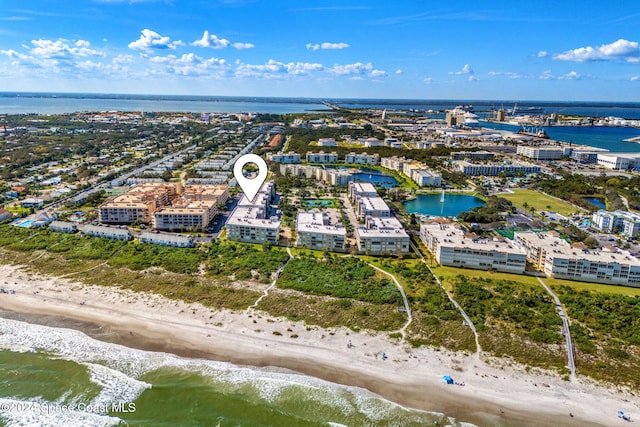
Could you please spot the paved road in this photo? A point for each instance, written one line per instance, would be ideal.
(565, 327)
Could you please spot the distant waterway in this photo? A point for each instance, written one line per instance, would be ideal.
(610, 138)
(432, 204)
(12, 103)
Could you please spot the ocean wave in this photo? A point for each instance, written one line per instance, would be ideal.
(38, 412)
(118, 371)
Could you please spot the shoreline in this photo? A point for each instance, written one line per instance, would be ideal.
(410, 377)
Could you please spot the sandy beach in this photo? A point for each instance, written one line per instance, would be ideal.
(495, 393)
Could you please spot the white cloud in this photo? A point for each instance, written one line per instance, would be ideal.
(275, 69)
(357, 68)
(543, 53)
(123, 59)
(621, 49)
(214, 42)
(327, 45)
(465, 70)
(473, 79)
(378, 73)
(399, 71)
(150, 40)
(507, 74)
(427, 80)
(635, 78)
(572, 75)
(62, 49)
(547, 75)
(241, 46)
(190, 64)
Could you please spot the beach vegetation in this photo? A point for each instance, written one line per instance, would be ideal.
(345, 277)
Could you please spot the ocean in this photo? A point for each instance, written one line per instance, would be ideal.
(53, 376)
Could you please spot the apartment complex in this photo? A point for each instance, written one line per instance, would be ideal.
(454, 247)
(251, 221)
(167, 206)
(416, 171)
(543, 153)
(557, 258)
(286, 158)
(316, 232)
(492, 169)
(362, 159)
(322, 157)
(623, 222)
(381, 233)
(381, 236)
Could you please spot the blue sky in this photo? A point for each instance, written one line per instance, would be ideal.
(513, 50)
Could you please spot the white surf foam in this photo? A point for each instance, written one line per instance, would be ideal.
(117, 370)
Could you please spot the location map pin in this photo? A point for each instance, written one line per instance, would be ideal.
(250, 187)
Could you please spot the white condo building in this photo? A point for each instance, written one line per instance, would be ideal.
(452, 246)
(249, 222)
(623, 222)
(382, 236)
(619, 161)
(543, 153)
(489, 169)
(557, 258)
(362, 159)
(361, 189)
(315, 232)
(322, 157)
(286, 158)
(372, 206)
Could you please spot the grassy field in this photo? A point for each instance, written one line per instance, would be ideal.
(448, 273)
(540, 202)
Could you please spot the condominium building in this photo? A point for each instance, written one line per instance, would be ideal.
(623, 222)
(362, 158)
(286, 158)
(381, 236)
(372, 206)
(316, 232)
(492, 169)
(165, 239)
(251, 222)
(167, 206)
(452, 246)
(557, 258)
(426, 177)
(106, 232)
(361, 189)
(395, 163)
(322, 157)
(543, 153)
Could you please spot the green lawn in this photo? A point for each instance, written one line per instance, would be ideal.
(448, 273)
(540, 201)
(607, 289)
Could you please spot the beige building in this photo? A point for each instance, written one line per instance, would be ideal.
(168, 206)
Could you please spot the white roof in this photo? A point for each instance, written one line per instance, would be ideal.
(454, 237)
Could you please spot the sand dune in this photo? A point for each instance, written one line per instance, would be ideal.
(492, 394)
